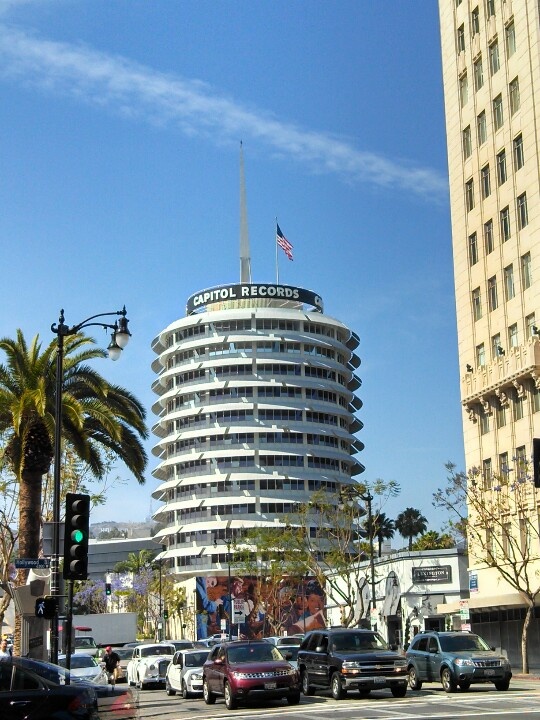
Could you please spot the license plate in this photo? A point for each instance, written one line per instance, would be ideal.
(489, 672)
(270, 686)
(379, 680)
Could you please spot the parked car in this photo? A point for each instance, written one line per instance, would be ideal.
(180, 644)
(148, 664)
(125, 654)
(290, 653)
(245, 670)
(455, 658)
(184, 674)
(342, 659)
(85, 667)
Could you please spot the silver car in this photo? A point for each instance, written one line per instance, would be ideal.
(184, 674)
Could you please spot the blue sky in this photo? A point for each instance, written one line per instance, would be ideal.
(120, 125)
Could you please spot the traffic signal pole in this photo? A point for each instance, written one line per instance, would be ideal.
(69, 627)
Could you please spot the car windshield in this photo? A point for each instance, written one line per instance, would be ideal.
(78, 661)
(358, 642)
(54, 673)
(157, 650)
(84, 643)
(289, 641)
(291, 650)
(261, 652)
(457, 643)
(195, 659)
(124, 653)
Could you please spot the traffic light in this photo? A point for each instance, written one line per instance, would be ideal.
(76, 536)
(108, 589)
(165, 614)
(46, 608)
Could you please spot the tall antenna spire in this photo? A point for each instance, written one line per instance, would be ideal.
(245, 259)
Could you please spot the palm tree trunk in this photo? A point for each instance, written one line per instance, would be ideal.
(30, 513)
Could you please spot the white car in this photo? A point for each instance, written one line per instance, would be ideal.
(148, 664)
(184, 674)
(85, 667)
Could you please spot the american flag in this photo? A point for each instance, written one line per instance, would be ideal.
(283, 243)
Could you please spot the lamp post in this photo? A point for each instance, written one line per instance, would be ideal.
(231, 609)
(119, 339)
(368, 498)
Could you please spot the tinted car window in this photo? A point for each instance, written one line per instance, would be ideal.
(253, 653)
(457, 643)
(195, 659)
(433, 646)
(422, 644)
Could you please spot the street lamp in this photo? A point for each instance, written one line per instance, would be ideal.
(119, 339)
(231, 609)
(368, 498)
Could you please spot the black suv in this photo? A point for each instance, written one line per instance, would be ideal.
(350, 659)
(455, 658)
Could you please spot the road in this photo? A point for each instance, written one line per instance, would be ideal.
(431, 703)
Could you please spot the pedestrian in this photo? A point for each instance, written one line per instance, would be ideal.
(5, 653)
(111, 660)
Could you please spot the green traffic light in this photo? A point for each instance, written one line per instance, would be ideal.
(77, 535)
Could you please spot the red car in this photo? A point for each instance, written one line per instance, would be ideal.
(245, 670)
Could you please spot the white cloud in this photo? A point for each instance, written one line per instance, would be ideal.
(133, 89)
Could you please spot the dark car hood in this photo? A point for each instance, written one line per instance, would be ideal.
(368, 655)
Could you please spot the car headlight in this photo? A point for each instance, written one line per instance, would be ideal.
(401, 663)
(351, 665)
(240, 675)
(463, 661)
(196, 676)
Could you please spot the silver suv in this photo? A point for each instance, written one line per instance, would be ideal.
(455, 658)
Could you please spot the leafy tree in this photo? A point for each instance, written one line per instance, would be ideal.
(135, 562)
(432, 540)
(8, 539)
(410, 523)
(502, 528)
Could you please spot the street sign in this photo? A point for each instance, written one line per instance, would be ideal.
(239, 611)
(32, 563)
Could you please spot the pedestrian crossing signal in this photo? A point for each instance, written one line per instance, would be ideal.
(46, 608)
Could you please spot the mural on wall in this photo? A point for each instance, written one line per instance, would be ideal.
(260, 608)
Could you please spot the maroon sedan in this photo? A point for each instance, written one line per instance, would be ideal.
(245, 670)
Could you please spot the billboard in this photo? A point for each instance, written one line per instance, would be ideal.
(252, 291)
(261, 608)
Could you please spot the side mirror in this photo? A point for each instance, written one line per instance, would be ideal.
(219, 661)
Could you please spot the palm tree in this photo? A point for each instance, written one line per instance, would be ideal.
(381, 527)
(410, 523)
(98, 419)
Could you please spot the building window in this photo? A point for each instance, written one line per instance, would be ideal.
(487, 473)
(481, 127)
(489, 242)
(501, 415)
(518, 407)
(480, 355)
(493, 301)
(502, 175)
(485, 181)
(505, 224)
(490, 8)
(461, 38)
(463, 90)
(503, 464)
(494, 60)
(495, 345)
(519, 156)
(467, 142)
(469, 194)
(473, 249)
(484, 422)
(521, 463)
(498, 117)
(526, 271)
(509, 289)
(478, 74)
(476, 304)
(510, 36)
(535, 398)
(513, 90)
(513, 336)
(475, 21)
(530, 324)
(523, 218)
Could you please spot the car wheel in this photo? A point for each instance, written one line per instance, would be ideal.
(465, 684)
(307, 689)
(502, 684)
(168, 688)
(338, 691)
(447, 679)
(230, 702)
(414, 682)
(293, 698)
(399, 691)
(208, 695)
(185, 693)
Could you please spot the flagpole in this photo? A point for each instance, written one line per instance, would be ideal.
(277, 265)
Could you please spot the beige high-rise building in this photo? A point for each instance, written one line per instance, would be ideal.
(491, 75)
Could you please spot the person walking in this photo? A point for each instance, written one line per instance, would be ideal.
(111, 660)
(5, 653)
